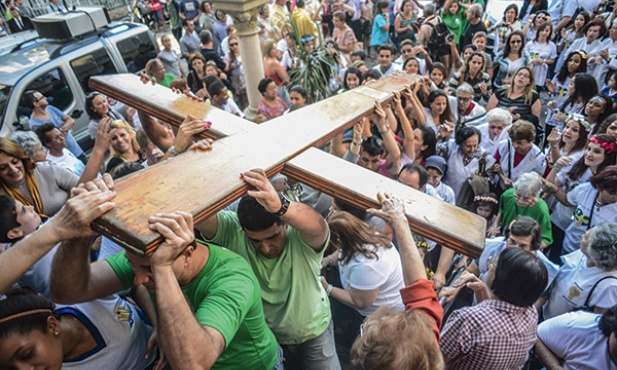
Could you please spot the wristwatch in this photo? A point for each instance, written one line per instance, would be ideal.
(285, 202)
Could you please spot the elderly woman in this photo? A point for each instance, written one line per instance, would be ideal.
(156, 70)
(524, 199)
(518, 154)
(496, 130)
(270, 105)
(31, 145)
(588, 278)
(124, 147)
(369, 266)
(463, 155)
(467, 112)
(594, 202)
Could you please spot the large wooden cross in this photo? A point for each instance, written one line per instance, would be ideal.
(204, 183)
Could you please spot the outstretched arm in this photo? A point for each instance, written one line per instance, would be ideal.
(393, 212)
(393, 160)
(72, 278)
(101, 146)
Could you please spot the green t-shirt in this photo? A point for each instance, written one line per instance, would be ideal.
(539, 212)
(297, 308)
(224, 296)
(167, 80)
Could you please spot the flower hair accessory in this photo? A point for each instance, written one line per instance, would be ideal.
(422, 244)
(581, 120)
(480, 198)
(582, 53)
(608, 147)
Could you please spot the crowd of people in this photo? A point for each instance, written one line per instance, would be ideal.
(513, 121)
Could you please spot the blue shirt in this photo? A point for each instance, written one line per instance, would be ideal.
(379, 36)
(56, 116)
(558, 9)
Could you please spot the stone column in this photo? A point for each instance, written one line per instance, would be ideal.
(244, 14)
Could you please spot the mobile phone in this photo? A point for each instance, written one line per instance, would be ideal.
(450, 37)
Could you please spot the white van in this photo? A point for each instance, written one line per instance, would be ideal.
(60, 70)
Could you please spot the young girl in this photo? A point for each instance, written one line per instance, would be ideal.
(568, 35)
(438, 75)
(170, 57)
(611, 88)
(486, 206)
(543, 53)
(381, 25)
(572, 141)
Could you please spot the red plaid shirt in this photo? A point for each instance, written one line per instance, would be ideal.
(492, 335)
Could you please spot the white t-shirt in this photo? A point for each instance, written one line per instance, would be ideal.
(68, 161)
(120, 333)
(573, 284)
(542, 51)
(583, 198)
(562, 215)
(576, 338)
(383, 273)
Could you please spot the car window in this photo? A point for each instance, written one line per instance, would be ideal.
(92, 64)
(136, 51)
(54, 86)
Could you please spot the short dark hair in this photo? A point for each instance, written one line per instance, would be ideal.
(205, 37)
(215, 88)
(300, 3)
(8, 218)
(525, 226)
(415, 168)
(389, 47)
(263, 84)
(520, 277)
(608, 322)
(299, 89)
(465, 133)
(125, 168)
(372, 74)
(359, 53)
(253, 216)
(373, 146)
(42, 130)
(28, 99)
(23, 300)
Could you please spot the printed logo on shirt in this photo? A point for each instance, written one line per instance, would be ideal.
(561, 92)
(574, 292)
(581, 219)
(124, 313)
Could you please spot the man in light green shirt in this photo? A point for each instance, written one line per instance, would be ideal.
(284, 242)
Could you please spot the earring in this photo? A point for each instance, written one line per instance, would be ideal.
(56, 333)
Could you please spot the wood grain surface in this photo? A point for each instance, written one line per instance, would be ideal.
(432, 218)
(203, 183)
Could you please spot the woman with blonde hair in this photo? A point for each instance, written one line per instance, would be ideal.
(520, 99)
(123, 145)
(274, 69)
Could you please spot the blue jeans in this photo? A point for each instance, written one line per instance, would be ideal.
(314, 354)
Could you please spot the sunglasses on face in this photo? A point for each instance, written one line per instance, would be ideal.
(516, 41)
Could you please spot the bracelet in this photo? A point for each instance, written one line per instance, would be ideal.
(386, 131)
(356, 142)
(329, 289)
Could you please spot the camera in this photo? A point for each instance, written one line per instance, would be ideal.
(450, 37)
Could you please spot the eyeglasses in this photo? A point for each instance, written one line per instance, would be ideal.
(516, 41)
(463, 98)
(513, 243)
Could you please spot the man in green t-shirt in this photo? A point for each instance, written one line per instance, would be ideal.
(284, 242)
(209, 312)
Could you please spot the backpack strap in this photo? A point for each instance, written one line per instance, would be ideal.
(586, 305)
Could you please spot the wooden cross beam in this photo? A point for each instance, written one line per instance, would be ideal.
(204, 183)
